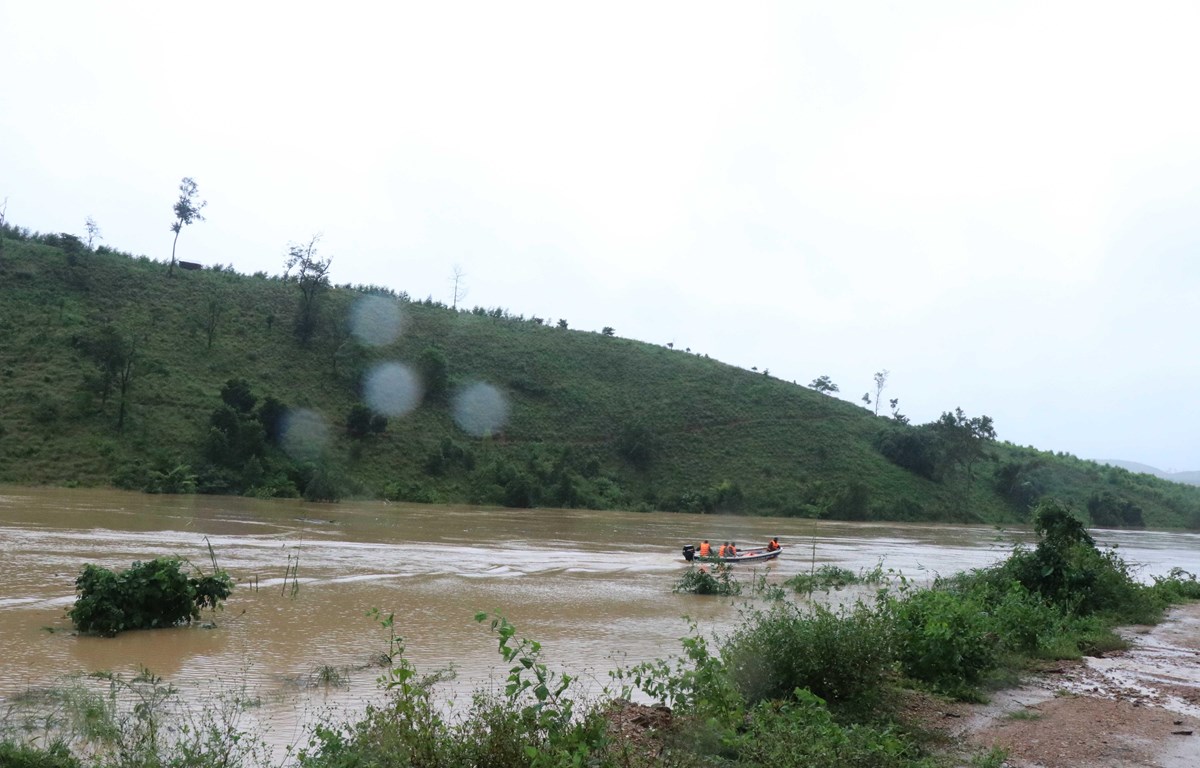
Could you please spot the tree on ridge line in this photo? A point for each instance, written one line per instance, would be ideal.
(186, 212)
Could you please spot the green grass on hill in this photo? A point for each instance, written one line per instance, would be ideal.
(593, 420)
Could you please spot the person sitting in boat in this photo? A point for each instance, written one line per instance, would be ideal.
(773, 544)
(732, 551)
(705, 550)
(721, 550)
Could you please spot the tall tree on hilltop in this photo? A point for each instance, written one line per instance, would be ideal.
(187, 210)
(311, 274)
(880, 383)
(458, 278)
(93, 230)
(824, 385)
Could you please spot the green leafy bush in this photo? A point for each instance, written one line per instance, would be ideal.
(844, 657)
(1025, 623)
(1067, 569)
(145, 596)
(1177, 586)
(945, 639)
(804, 732)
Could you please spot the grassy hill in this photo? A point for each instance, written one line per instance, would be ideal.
(113, 372)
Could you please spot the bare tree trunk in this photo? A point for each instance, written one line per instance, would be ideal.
(171, 269)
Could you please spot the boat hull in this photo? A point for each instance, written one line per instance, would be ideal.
(748, 556)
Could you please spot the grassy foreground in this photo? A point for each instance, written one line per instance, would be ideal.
(796, 684)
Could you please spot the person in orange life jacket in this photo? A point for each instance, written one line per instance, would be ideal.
(721, 549)
(705, 550)
(732, 551)
(773, 544)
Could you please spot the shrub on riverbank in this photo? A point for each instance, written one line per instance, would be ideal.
(1058, 600)
(804, 732)
(844, 657)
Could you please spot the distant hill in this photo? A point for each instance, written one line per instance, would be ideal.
(1189, 478)
(115, 370)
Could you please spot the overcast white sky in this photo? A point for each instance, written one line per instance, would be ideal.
(997, 202)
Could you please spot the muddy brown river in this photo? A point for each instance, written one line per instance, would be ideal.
(593, 587)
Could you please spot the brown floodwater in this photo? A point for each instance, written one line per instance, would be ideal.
(593, 587)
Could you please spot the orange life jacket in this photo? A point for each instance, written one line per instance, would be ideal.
(731, 551)
(705, 549)
(721, 551)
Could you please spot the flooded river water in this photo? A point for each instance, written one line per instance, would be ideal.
(593, 587)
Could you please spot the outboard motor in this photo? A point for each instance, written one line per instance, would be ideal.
(689, 551)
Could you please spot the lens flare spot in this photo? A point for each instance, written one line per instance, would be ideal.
(376, 321)
(392, 389)
(480, 409)
(304, 434)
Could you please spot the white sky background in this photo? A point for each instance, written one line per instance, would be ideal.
(997, 202)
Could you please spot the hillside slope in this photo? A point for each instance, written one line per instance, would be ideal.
(113, 372)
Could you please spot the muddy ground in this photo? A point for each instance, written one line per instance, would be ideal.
(1139, 707)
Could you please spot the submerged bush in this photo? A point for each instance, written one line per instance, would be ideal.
(698, 581)
(825, 578)
(145, 596)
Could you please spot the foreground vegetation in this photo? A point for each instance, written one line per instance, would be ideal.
(125, 371)
(795, 684)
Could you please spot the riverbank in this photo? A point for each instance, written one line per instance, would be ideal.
(773, 678)
(1132, 708)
